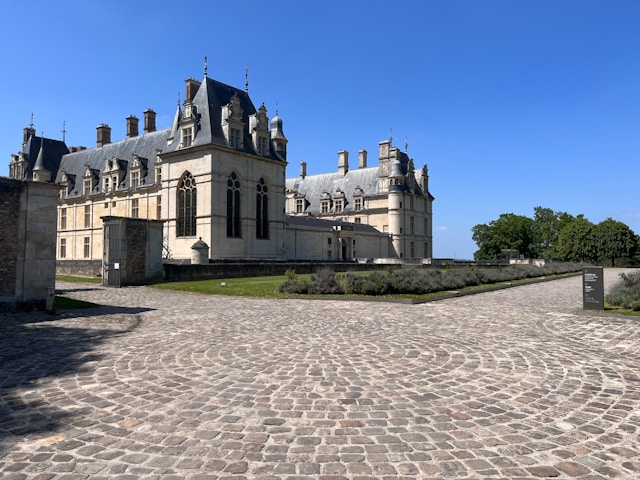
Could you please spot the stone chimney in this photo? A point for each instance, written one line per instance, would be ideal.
(27, 133)
(192, 87)
(303, 169)
(362, 159)
(343, 162)
(132, 126)
(104, 135)
(149, 121)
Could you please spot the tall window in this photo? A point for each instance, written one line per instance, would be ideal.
(135, 179)
(262, 210)
(187, 136)
(63, 248)
(299, 205)
(135, 208)
(338, 206)
(87, 216)
(357, 204)
(234, 138)
(233, 206)
(186, 206)
(63, 219)
(159, 207)
(87, 247)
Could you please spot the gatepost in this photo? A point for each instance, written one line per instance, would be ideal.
(593, 288)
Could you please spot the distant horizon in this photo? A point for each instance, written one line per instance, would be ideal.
(511, 105)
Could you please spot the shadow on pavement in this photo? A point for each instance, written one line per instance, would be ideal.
(35, 346)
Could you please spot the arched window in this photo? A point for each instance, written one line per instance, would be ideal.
(233, 206)
(186, 206)
(262, 210)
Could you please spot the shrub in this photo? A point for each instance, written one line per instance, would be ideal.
(326, 282)
(626, 293)
(295, 285)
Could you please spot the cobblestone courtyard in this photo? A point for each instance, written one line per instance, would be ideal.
(518, 383)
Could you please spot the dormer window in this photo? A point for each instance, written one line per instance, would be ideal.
(299, 205)
(263, 145)
(234, 138)
(86, 186)
(187, 137)
(232, 123)
(135, 179)
(339, 201)
(107, 184)
(259, 129)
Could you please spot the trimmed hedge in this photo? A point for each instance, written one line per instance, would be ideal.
(415, 281)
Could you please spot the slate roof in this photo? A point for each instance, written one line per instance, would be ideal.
(313, 186)
(328, 224)
(144, 146)
(208, 102)
(53, 152)
(211, 96)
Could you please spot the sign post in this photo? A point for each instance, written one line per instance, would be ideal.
(593, 288)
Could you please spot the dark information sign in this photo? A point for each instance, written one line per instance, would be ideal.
(592, 288)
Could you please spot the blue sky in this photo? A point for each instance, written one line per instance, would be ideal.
(511, 103)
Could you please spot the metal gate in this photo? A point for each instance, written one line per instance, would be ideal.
(112, 254)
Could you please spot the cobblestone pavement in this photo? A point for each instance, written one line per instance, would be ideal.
(518, 383)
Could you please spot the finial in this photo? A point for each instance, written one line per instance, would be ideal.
(205, 66)
(64, 130)
(391, 135)
(178, 98)
(31, 124)
(406, 146)
(246, 79)
(276, 109)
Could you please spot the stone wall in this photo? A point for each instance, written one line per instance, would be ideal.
(81, 268)
(27, 244)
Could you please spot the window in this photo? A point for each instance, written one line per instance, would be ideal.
(357, 204)
(426, 250)
(233, 206)
(234, 138)
(412, 248)
(86, 185)
(325, 206)
(106, 184)
(328, 240)
(87, 216)
(299, 205)
(339, 206)
(63, 248)
(63, 219)
(87, 247)
(263, 146)
(186, 225)
(411, 227)
(187, 136)
(358, 220)
(135, 208)
(159, 207)
(262, 210)
(114, 183)
(135, 179)
(158, 175)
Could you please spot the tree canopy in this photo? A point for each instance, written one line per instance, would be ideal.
(556, 236)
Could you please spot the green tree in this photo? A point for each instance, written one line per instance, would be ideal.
(615, 240)
(509, 232)
(547, 225)
(577, 241)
